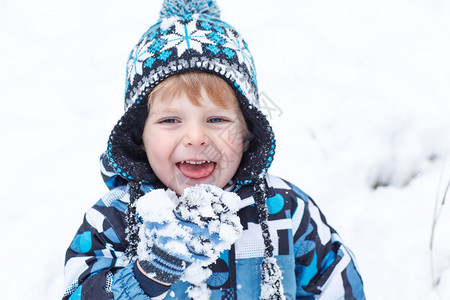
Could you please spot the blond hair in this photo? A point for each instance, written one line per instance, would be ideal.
(191, 83)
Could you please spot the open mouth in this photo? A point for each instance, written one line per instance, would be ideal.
(196, 169)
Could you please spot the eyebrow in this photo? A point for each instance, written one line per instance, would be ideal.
(164, 110)
(175, 110)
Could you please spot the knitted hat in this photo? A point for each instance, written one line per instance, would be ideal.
(190, 36)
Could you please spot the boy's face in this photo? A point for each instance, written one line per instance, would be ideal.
(188, 144)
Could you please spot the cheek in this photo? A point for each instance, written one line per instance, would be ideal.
(154, 145)
(157, 151)
(232, 151)
(234, 144)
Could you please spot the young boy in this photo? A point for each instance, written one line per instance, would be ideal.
(192, 212)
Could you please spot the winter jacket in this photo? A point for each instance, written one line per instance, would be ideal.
(314, 262)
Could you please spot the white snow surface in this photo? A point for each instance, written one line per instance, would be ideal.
(357, 92)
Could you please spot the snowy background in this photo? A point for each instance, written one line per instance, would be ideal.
(361, 99)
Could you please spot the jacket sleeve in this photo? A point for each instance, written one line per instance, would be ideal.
(95, 265)
(325, 267)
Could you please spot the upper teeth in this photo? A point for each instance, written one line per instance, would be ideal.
(195, 162)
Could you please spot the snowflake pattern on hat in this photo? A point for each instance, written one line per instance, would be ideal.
(193, 42)
(186, 36)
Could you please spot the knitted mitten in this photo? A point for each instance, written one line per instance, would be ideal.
(193, 228)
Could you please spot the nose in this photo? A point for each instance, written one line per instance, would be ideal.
(196, 135)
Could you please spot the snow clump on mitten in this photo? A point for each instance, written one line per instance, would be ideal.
(213, 209)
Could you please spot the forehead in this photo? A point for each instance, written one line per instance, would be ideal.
(180, 101)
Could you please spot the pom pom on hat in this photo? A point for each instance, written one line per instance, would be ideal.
(186, 8)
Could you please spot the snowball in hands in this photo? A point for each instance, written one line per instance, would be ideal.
(192, 228)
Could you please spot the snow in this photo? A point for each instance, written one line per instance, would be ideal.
(196, 275)
(196, 227)
(359, 92)
(272, 276)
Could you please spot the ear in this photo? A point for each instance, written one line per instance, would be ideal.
(140, 142)
(248, 137)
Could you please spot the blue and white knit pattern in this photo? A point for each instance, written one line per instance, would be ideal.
(189, 39)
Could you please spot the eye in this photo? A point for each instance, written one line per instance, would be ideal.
(217, 120)
(168, 121)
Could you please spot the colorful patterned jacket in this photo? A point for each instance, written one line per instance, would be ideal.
(314, 262)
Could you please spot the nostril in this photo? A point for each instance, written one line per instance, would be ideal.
(196, 140)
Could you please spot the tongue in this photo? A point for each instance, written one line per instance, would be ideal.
(196, 171)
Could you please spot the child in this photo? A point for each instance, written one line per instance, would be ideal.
(192, 212)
